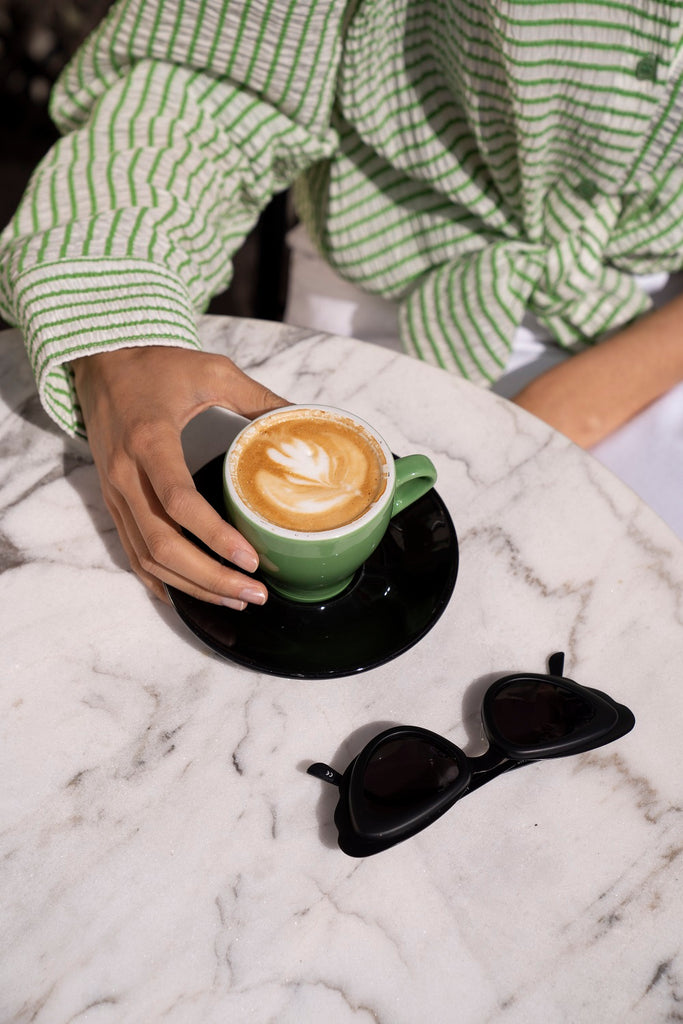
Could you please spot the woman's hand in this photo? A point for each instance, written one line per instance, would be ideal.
(136, 402)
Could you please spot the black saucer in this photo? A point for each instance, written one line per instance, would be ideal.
(394, 600)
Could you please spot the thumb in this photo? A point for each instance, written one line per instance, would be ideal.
(243, 395)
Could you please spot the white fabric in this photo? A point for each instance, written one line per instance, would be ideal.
(646, 453)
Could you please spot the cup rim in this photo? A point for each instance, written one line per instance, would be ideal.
(376, 508)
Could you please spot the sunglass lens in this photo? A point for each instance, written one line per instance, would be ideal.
(406, 780)
(539, 712)
(408, 773)
(537, 716)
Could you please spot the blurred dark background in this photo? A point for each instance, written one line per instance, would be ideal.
(37, 38)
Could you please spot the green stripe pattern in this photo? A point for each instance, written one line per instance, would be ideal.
(470, 159)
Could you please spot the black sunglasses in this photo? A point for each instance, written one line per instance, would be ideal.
(406, 777)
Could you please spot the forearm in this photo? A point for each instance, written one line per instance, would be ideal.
(595, 392)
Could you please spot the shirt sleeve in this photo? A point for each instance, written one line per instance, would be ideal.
(180, 121)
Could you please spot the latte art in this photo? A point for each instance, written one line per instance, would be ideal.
(308, 471)
(315, 481)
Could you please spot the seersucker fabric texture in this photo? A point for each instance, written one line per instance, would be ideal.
(470, 159)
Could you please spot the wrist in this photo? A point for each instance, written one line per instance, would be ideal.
(110, 363)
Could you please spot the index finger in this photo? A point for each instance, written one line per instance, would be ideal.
(175, 489)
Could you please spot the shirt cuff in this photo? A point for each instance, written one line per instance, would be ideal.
(67, 309)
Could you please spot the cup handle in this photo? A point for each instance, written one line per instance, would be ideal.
(415, 475)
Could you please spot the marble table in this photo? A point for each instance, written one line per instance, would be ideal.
(164, 856)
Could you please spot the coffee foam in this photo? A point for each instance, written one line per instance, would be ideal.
(308, 470)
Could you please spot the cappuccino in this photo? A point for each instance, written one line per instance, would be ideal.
(308, 470)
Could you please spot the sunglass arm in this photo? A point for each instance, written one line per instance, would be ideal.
(556, 663)
(324, 772)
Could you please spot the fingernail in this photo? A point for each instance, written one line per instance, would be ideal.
(253, 595)
(230, 602)
(245, 560)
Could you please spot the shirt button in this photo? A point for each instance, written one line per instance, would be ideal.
(587, 189)
(646, 68)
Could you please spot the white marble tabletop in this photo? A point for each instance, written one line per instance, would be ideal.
(165, 858)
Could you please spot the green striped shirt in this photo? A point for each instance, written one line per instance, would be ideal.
(467, 158)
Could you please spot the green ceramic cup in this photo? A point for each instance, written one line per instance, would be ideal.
(316, 565)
